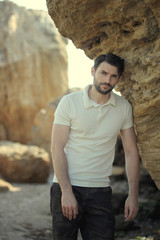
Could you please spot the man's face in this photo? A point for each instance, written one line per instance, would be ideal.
(105, 77)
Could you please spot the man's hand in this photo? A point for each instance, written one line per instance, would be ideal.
(131, 208)
(69, 204)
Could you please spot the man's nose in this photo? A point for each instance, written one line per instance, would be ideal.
(108, 79)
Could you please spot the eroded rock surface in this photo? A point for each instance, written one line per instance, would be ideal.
(23, 164)
(130, 29)
(33, 68)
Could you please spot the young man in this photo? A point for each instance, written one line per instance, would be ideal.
(84, 135)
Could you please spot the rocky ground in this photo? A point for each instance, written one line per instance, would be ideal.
(25, 215)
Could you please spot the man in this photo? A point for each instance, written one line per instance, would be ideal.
(84, 135)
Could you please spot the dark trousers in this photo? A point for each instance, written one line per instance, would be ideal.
(95, 219)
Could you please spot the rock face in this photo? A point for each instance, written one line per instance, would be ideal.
(130, 29)
(23, 164)
(33, 68)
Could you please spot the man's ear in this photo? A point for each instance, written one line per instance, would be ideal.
(92, 71)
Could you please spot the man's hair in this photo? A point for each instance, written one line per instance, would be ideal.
(112, 59)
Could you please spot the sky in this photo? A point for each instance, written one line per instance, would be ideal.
(79, 65)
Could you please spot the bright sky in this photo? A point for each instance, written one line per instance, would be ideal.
(79, 65)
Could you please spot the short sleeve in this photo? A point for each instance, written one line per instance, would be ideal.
(62, 113)
(128, 120)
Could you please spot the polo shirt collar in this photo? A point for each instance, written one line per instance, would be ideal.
(88, 103)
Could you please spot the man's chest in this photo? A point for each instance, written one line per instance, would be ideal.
(97, 120)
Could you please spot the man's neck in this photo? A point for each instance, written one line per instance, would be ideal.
(97, 97)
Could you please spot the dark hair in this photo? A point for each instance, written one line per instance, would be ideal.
(112, 59)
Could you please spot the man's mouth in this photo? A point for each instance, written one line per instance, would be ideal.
(105, 85)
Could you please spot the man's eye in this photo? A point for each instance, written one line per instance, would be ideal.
(115, 76)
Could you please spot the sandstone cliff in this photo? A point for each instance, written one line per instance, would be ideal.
(130, 29)
(33, 68)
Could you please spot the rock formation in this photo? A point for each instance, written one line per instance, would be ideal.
(33, 68)
(23, 164)
(130, 29)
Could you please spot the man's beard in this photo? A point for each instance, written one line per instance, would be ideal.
(98, 87)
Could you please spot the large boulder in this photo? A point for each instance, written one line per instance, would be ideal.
(130, 29)
(33, 68)
(23, 164)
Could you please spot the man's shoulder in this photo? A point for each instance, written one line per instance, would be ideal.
(72, 98)
(69, 102)
(73, 95)
(120, 100)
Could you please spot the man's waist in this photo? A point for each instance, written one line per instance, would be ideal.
(88, 182)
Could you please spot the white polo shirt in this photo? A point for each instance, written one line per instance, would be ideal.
(93, 134)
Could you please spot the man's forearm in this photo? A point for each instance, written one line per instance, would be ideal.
(132, 170)
(131, 203)
(133, 173)
(60, 166)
